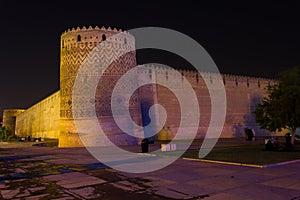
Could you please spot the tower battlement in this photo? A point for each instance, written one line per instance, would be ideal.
(93, 36)
(90, 28)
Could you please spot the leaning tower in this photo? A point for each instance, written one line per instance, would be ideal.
(75, 46)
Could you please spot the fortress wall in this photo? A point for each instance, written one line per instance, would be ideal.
(53, 117)
(41, 119)
(242, 94)
(168, 99)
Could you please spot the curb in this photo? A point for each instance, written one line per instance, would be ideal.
(225, 162)
(282, 163)
(233, 163)
(243, 164)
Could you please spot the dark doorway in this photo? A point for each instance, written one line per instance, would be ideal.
(145, 106)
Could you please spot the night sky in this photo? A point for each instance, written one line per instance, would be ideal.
(248, 39)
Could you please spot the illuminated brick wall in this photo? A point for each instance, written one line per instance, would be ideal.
(40, 120)
(243, 94)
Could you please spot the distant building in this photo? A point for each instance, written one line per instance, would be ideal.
(9, 118)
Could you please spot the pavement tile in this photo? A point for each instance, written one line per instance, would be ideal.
(223, 195)
(74, 179)
(127, 186)
(225, 184)
(273, 171)
(132, 175)
(24, 193)
(79, 184)
(27, 165)
(217, 183)
(36, 197)
(19, 170)
(111, 170)
(166, 192)
(157, 181)
(214, 171)
(291, 182)
(250, 177)
(259, 191)
(84, 161)
(60, 161)
(182, 176)
(192, 190)
(64, 198)
(34, 189)
(9, 194)
(105, 175)
(86, 192)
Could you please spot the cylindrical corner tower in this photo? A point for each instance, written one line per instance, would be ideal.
(76, 44)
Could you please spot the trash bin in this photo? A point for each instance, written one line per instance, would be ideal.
(288, 141)
(145, 145)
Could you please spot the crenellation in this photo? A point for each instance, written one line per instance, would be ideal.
(90, 28)
(95, 35)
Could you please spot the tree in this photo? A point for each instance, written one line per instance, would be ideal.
(281, 108)
(5, 134)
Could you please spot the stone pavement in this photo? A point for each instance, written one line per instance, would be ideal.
(72, 173)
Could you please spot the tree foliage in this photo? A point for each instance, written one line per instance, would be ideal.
(5, 134)
(281, 108)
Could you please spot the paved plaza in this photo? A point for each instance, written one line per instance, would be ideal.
(32, 172)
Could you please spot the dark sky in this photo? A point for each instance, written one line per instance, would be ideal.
(247, 38)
